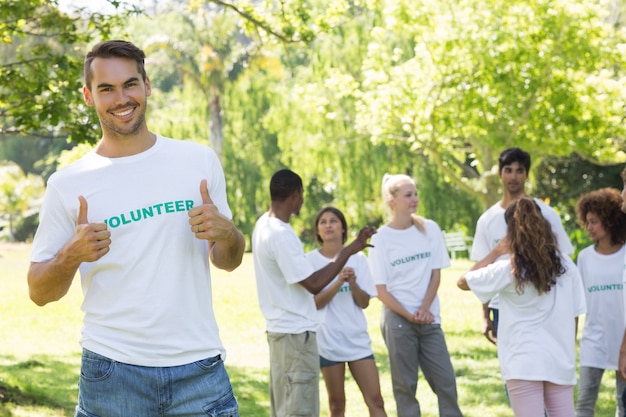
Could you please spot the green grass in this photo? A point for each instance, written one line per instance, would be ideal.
(40, 355)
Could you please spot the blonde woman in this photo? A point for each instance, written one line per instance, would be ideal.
(406, 259)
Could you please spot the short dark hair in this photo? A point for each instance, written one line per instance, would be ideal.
(510, 155)
(114, 49)
(283, 184)
(340, 216)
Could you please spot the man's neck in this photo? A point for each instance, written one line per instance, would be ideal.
(280, 212)
(116, 146)
(508, 199)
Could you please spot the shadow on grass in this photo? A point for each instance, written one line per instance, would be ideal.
(251, 387)
(42, 382)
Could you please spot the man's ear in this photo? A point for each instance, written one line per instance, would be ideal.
(87, 96)
(148, 87)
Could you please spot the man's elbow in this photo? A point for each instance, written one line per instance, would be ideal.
(462, 284)
(42, 299)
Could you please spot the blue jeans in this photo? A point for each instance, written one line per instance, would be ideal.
(112, 389)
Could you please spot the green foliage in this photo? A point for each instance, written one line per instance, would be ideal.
(41, 66)
(565, 179)
(19, 196)
(540, 75)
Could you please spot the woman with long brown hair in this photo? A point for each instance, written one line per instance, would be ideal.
(541, 295)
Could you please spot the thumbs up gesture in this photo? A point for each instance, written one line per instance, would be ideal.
(206, 221)
(91, 241)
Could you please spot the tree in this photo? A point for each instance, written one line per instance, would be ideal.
(467, 81)
(41, 66)
(19, 196)
(210, 52)
(458, 81)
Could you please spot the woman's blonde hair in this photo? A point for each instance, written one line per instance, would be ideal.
(390, 186)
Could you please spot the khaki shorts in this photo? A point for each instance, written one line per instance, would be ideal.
(294, 374)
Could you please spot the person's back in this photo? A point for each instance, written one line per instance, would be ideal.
(279, 265)
(541, 295)
(286, 283)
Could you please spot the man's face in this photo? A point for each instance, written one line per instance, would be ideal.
(119, 95)
(624, 198)
(513, 178)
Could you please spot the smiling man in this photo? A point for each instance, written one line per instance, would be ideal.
(140, 216)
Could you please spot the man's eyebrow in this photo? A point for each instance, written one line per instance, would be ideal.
(107, 85)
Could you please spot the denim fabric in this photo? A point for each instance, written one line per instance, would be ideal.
(112, 389)
(589, 381)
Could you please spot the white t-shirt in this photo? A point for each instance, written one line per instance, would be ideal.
(342, 335)
(536, 337)
(279, 266)
(148, 301)
(604, 321)
(403, 260)
(491, 228)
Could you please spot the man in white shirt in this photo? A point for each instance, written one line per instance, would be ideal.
(513, 168)
(141, 216)
(286, 283)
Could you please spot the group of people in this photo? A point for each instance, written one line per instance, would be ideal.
(142, 237)
(403, 269)
(524, 271)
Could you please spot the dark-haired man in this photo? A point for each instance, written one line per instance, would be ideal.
(513, 169)
(140, 216)
(286, 283)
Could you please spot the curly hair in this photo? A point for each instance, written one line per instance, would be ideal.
(535, 255)
(606, 203)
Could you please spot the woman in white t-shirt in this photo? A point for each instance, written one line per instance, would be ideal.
(541, 295)
(342, 335)
(601, 266)
(406, 259)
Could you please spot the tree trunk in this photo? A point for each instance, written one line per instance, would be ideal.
(216, 128)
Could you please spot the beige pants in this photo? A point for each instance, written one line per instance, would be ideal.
(294, 375)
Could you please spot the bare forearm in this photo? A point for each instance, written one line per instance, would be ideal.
(431, 291)
(320, 278)
(360, 297)
(392, 303)
(325, 296)
(227, 254)
(49, 281)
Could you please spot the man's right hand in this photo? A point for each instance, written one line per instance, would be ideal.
(361, 241)
(92, 240)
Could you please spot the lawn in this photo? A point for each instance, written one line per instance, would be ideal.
(40, 355)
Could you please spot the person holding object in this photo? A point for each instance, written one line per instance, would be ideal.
(541, 296)
(406, 261)
(140, 216)
(286, 284)
(342, 335)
